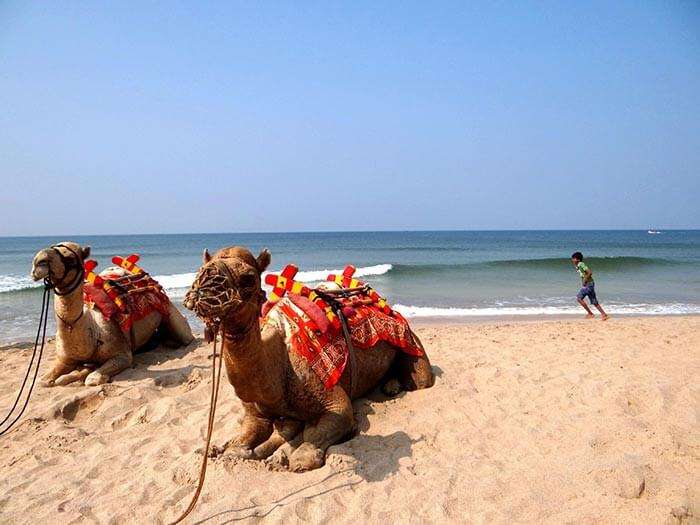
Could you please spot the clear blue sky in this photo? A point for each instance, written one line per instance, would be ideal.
(204, 116)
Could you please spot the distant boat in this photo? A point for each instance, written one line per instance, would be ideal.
(653, 232)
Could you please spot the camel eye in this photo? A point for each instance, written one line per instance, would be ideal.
(247, 281)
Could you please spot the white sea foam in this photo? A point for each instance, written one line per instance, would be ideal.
(177, 284)
(313, 276)
(626, 309)
(13, 283)
(176, 281)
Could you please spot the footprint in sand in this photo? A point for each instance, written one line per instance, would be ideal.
(79, 407)
(641, 400)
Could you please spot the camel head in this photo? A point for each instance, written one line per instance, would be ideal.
(61, 264)
(227, 289)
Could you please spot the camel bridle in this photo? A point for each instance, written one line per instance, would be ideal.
(70, 264)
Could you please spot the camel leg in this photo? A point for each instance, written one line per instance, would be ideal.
(110, 368)
(337, 422)
(59, 368)
(255, 428)
(414, 373)
(76, 375)
(284, 431)
(177, 327)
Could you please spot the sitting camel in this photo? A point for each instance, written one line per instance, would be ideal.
(84, 336)
(281, 393)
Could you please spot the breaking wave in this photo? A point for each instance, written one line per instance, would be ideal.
(182, 281)
(499, 311)
(15, 283)
(607, 264)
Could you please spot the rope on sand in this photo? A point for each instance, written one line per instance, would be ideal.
(216, 379)
(41, 331)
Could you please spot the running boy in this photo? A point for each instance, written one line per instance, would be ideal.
(587, 286)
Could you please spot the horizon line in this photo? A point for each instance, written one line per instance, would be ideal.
(272, 232)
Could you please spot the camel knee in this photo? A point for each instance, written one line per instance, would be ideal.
(109, 368)
(331, 428)
(58, 369)
(284, 432)
(177, 327)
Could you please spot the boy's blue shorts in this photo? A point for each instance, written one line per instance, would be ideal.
(588, 290)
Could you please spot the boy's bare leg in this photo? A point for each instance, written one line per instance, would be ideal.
(585, 307)
(602, 312)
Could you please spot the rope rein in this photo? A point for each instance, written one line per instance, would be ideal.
(216, 380)
(41, 331)
(49, 285)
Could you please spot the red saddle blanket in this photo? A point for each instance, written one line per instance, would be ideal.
(327, 351)
(139, 295)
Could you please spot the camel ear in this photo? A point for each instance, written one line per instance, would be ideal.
(85, 252)
(263, 260)
(205, 256)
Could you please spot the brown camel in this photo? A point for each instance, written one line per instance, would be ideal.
(280, 392)
(84, 337)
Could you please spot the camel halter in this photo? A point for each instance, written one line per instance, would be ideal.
(222, 298)
(41, 330)
(68, 265)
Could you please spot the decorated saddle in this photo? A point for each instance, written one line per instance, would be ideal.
(125, 293)
(313, 320)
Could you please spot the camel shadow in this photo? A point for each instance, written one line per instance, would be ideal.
(165, 377)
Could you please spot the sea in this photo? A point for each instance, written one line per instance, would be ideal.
(426, 274)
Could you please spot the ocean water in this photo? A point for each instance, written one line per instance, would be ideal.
(424, 274)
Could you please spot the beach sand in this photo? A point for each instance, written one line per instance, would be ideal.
(533, 421)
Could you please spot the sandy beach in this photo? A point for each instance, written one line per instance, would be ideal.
(531, 421)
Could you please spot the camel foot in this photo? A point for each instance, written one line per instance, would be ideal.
(306, 457)
(239, 451)
(279, 460)
(391, 388)
(236, 451)
(64, 380)
(72, 377)
(47, 379)
(214, 451)
(96, 378)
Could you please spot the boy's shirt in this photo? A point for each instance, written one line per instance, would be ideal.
(582, 269)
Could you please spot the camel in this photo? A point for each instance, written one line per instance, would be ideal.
(84, 337)
(284, 400)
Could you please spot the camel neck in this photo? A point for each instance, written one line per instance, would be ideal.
(253, 367)
(68, 307)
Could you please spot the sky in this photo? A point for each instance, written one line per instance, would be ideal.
(180, 117)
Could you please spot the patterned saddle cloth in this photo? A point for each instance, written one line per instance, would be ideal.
(126, 297)
(327, 350)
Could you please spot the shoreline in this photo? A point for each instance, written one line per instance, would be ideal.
(445, 322)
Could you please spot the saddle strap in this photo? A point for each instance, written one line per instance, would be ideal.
(352, 358)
